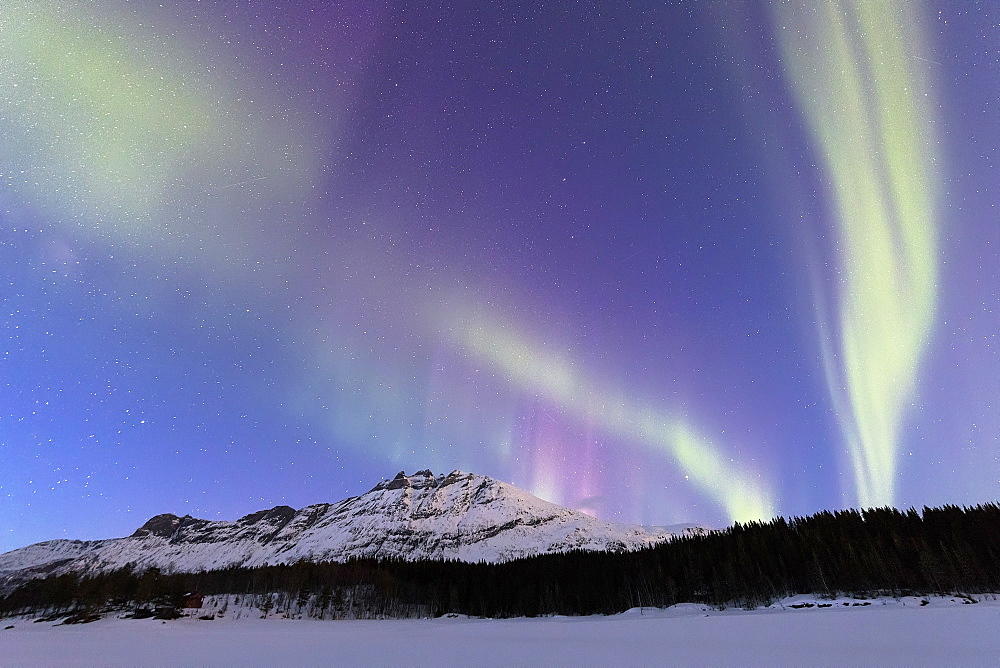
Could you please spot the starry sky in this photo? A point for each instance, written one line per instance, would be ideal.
(658, 261)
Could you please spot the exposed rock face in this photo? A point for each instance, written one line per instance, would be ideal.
(161, 525)
(421, 516)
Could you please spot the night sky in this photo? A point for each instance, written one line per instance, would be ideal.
(662, 262)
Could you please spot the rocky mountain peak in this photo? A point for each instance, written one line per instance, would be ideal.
(420, 480)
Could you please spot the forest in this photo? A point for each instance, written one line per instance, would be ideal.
(882, 551)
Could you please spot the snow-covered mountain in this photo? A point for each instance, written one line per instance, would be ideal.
(422, 516)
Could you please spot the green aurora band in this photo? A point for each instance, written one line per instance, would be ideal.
(114, 125)
(856, 71)
(735, 487)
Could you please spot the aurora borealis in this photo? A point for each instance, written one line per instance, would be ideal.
(852, 65)
(664, 263)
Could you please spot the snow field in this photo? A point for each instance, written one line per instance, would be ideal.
(888, 632)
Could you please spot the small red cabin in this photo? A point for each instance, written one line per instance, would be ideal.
(193, 600)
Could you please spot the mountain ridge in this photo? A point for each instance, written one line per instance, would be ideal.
(461, 516)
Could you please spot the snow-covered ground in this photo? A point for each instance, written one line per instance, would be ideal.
(888, 632)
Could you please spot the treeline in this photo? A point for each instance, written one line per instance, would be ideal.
(861, 553)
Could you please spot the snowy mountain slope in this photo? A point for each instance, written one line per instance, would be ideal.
(423, 516)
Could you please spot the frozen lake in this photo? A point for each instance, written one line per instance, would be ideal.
(892, 632)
